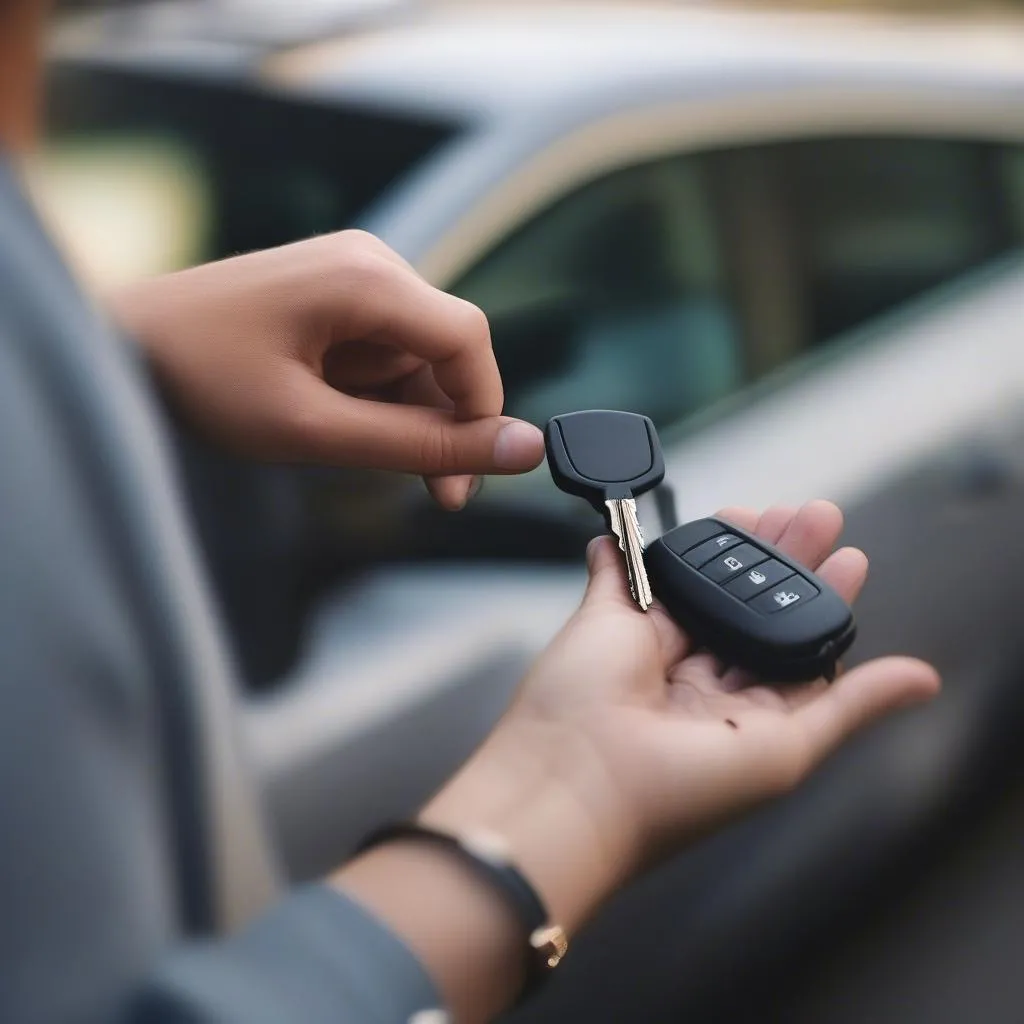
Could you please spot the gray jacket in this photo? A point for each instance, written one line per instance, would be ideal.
(136, 881)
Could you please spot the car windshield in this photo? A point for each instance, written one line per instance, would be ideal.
(152, 172)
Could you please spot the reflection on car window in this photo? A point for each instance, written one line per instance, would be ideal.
(244, 168)
(614, 297)
(123, 206)
(823, 235)
(663, 287)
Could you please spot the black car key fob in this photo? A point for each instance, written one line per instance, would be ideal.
(739, 597)
(751, 605)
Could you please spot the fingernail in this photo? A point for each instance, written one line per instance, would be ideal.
(474, 488)
(518, 446)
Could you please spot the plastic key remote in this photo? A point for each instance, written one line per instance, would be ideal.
(749, 603)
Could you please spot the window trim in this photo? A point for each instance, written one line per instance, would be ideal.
(618, 141)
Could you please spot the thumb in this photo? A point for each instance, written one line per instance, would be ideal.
(865, 694)
(339, 429)
(607, 572)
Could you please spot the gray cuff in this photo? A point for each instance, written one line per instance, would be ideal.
(318, 958)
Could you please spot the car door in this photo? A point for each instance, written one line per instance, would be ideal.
(727, 293)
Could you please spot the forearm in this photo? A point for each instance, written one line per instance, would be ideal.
(461, 929)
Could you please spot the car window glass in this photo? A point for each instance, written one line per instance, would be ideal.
(212, 168)
(664, 287)
(823, 235)
(1011, 166)
(614, 297)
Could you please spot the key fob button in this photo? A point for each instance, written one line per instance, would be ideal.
(796, 590)
(755, 581)
(683, 538)
(703, 553)
(726, 566)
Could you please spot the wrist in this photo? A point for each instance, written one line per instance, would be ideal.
(556, 813)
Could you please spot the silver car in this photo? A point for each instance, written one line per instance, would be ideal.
(785, 237)
(792, 239)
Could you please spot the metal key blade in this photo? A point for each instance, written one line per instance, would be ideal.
(631, 542)
(629, 514)
(626, 527)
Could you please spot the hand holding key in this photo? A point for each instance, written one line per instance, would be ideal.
(775, 618)
(625, 742)
(623, 745)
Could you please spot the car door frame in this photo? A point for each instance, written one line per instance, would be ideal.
(565, 153)
(570, 158)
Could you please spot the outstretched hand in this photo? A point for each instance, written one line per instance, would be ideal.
(649, 742)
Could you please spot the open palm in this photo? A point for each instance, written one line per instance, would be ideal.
(667, 735)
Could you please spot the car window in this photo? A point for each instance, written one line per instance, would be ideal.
(152, 172)
(824, 235)
(614, 297)
(663, 287)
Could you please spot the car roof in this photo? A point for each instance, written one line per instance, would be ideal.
(498, 58)
(508, 58)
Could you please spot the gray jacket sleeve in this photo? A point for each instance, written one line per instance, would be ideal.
(119, 804)
(317, 958)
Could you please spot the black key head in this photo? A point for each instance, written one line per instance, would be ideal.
(602, 454)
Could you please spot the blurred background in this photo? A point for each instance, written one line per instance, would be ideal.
(794, 237)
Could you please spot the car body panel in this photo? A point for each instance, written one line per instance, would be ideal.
(500, 60)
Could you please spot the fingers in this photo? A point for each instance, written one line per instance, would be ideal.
(607, 572)
(341, 430)
(773, 522)
(807, 534)
(861, 696)
(609, 587)
(452, 492)
(845, 572)
(744, 518)
(420, 388)
(812, 533)
(673, 643)
(372, 296)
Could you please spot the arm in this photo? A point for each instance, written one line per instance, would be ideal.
(623, 744)
(622, 747)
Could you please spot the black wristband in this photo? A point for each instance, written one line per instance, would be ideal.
(493, 868)
(548, 943)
